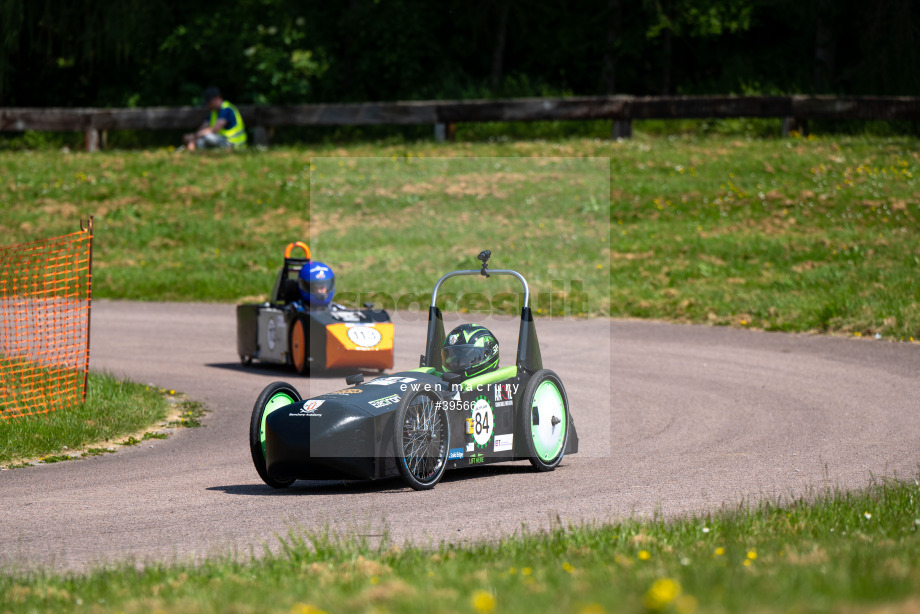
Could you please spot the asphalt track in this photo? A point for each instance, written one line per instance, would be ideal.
(672, 419)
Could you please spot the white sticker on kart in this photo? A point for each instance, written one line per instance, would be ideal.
(504, 394)
(482, 422)
(309, 408)
(380, 403)
(271, 332)
(346, 316)
(504, 442)
(364, 336)
(388, 381)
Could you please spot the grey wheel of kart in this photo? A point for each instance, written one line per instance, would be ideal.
(544, 420)
(275, 396)
(422, 437)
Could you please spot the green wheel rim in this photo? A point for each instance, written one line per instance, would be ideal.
(278, 400)
(548, 438)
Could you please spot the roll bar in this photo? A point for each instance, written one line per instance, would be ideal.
(528, 350)
(291, 246)
(434, 294)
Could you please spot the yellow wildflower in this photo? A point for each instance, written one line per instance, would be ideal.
(662, 593)
(483, 601)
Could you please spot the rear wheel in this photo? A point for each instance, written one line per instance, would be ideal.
(275, 396)
(422, 437)
(298, 346)
(544, 420)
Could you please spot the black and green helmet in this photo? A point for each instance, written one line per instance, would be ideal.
(470, 350)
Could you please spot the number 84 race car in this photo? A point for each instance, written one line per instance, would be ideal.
(457, 409)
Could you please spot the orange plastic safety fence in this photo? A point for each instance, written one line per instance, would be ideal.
(45, 296)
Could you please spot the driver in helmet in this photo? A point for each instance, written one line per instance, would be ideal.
(469, 350)
(316, 283)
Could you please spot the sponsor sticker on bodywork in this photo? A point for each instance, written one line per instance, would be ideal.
(378, 403)
(347, 391)
(504, 442)
(455, 453)
(309, 408)
(271, 333)
(504, 394)
(347, 316)
(389, 380)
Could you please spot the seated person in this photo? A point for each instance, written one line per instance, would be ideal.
(316, 283)
(223, 129)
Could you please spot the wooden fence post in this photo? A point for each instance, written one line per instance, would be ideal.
(622, 129)
(794, 123)
(91, 139)
(259, 136)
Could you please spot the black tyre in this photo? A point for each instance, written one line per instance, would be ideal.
(245, 360)
(544, 420)
(297, 346)
(422, 438)
(274, 396)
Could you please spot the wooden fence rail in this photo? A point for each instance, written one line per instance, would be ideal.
(621, 109)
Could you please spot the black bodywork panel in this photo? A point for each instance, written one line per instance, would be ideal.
(350, 434)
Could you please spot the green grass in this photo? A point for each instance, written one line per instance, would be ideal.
(842, 551)
(814, 234)
(114, 409)
(395, 225)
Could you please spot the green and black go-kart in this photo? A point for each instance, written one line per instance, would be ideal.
(421, 422)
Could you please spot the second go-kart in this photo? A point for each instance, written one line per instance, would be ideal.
(457, 409)
(302, 326)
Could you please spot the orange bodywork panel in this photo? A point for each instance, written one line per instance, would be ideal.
(359, 345)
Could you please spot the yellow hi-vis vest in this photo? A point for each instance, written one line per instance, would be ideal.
(237, 134)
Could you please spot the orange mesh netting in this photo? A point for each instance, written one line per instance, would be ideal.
(45, 296)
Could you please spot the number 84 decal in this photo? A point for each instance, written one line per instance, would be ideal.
(482, 422)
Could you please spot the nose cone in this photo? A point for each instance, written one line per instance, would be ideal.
(332, 440)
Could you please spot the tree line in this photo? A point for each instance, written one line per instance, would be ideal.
(163, 52)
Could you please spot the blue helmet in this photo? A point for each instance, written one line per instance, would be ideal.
(317, 284)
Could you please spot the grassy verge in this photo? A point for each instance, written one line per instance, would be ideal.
(812, 234)
(855, 551)
(115, 411)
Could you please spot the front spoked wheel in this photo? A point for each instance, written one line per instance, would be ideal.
(274, 396)
(545, 420)
(422, 437)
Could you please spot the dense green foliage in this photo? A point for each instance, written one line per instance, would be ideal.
(844, 552)
(153, 52)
